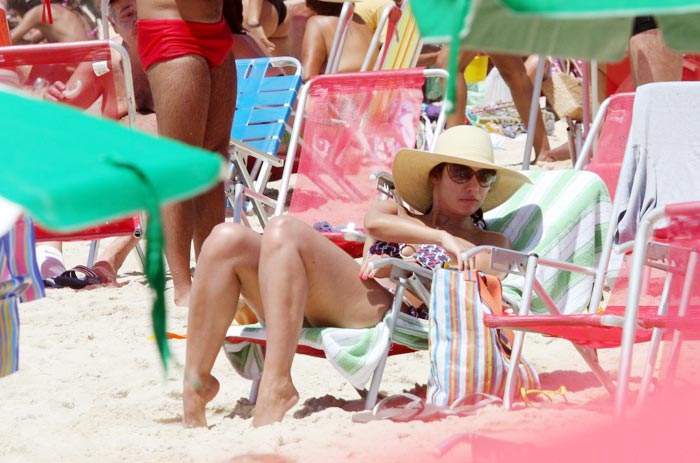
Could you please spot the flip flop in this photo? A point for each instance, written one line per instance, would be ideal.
(460, 407)
(409, 411)
(51, 283)
(70, 278)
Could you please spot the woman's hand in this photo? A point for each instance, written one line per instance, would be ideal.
(367, 272)
(455, 246)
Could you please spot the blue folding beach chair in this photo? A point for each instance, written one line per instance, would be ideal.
(266, 97)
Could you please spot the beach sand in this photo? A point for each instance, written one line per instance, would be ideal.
(91, 388)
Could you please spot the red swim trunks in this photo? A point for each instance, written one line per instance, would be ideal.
(166, 39)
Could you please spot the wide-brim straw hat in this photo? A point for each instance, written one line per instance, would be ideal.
(464, 144)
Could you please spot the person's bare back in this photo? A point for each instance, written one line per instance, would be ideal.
(67, 26)
(318, 40)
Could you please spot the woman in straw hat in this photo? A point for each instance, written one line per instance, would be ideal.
(292, 276)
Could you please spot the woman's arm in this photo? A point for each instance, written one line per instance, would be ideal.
(81, 90)
(30, 20)
(386, 221)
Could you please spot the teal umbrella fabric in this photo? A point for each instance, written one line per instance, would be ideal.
(491, 26)
(592, 8)
(69, 170)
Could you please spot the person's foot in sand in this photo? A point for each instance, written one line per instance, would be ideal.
(105, 271)
(560, 153)
(276, 397)
(181, 296)
(196, 393)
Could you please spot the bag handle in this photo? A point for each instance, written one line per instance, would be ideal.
(490, 289)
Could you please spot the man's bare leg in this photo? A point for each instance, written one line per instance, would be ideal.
(652, 61)
(513, 71)
(187, 114)
(209, 208)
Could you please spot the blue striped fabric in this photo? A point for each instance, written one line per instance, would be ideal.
(466, 358)
(19, 278)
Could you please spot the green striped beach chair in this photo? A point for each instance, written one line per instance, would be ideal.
(559, 221)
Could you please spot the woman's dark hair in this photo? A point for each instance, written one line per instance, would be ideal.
(325, 8)
(477, 217)
(233, 14)
(22, 6)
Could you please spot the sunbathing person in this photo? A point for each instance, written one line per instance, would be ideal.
(292, 276)
(69, 24)
(266, 19)
(319, 34)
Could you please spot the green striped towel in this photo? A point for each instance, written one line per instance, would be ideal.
(355, 353)
(577, 208)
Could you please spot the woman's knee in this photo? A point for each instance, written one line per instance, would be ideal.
(228, 240)
(285, 231)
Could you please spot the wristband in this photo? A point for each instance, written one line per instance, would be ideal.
(253, 26)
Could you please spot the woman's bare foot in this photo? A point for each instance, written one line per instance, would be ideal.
(196, 393)
(275, 398)
(560, 153)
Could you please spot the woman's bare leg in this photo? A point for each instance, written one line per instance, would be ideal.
(231, 253)
(305, 277)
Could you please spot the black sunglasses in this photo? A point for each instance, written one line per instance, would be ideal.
(462, 174)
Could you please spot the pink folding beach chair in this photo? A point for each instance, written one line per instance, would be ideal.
(48, 63)
(353, 124)
(608, 133)
(661, 167)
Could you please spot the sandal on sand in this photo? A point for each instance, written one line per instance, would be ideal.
(70, 278)
(468, 404)
(415, 409)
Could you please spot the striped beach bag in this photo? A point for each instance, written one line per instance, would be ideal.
(467, 359)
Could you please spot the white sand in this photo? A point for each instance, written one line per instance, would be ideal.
(91, 388)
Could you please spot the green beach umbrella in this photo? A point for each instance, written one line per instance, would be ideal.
(69, 170)
(592, 8)
(601, 35)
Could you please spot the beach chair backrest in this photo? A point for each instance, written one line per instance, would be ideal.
(354, 123)
(265, 99)
(402, 48)
(38, 66)
(609, 133)
(386, 27)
